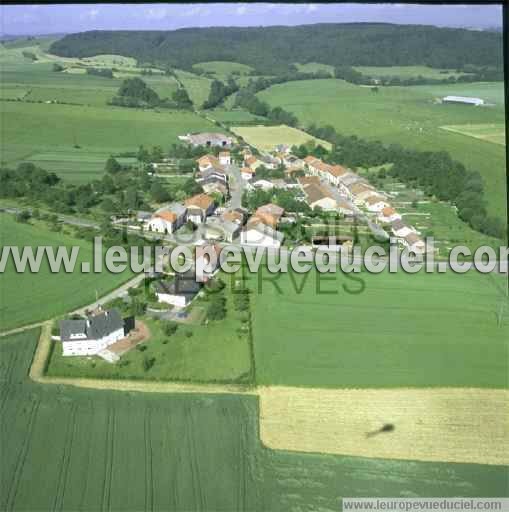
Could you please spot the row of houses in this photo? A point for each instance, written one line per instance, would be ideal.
(361, 193)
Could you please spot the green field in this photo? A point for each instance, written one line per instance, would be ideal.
(100, 450)
(265, 138)
(404, 115)
(233, 116)
(407, 72)
(27, 298)
(33, 129)
(198, 87)
(488, 132)
(392, 330)
(313, 67)
(223, 69)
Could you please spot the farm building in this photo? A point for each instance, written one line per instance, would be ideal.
(199, 207)
(167, 219)
(207, 139)
(414, 243)
(400, 229)
(89, 336)
(464, 100)
(388, 214)
(208, 162)
(179, 292)
(318, 197)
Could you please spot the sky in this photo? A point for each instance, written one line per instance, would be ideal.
(51, 19)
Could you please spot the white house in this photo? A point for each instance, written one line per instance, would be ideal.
(247, 173)
(208, 162)
(167, 219)
(414, 243)
(90, 335)
(225, 158)
(375, 203)
(199, 207)
(259, 234)
(179, 292)
(388, 214)
(261, 184)
(318, 196)
(400, 229)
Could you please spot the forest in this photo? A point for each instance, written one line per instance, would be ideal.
(271, 50)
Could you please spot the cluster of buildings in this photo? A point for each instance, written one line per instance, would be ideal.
(352, 188)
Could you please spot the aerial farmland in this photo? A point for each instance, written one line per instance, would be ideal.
(173, 383)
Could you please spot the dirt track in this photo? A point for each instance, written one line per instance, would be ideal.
(437, 424)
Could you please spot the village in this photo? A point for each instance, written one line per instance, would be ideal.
(229, 173)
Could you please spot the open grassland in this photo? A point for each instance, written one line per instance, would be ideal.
(380, 330)
(313, 67)
(265, 138)
(404, 115)
(198, 87)
(216, 352)
(453, 425)
(223, 69)
(489, 132)
(234, 116)
(96, 450)
(32, 129)
(490, 92)
(406, 72)
(28, 297)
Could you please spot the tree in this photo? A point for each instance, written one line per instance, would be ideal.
(170, 328)
(217, 308)
(112, 166)
(143, 155)
(23, 216)
(57, 67)
(181, 99)
(158, 193)
(148, 363)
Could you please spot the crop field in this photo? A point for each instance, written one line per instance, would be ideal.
(265, 138)
(380, 330)
(28, 298)
(494, 133)
(97, 450)
(407, 72)
(453, 425)
(409, 116)
(32, 128)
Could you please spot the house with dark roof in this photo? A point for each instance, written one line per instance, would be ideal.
(180, 291)
(88, 336)
(167, 219)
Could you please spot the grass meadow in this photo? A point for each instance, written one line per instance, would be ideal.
(223, 69)
(380, 330)
(28, 298)
(198, 87)
(123, 451)
(32, 130)
(408, 116)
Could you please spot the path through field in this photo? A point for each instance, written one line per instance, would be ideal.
(436, 424)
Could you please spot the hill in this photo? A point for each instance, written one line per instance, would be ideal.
(272, 49)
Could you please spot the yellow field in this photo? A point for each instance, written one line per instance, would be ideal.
(265, 138)
(448, 424)
(494, 133)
